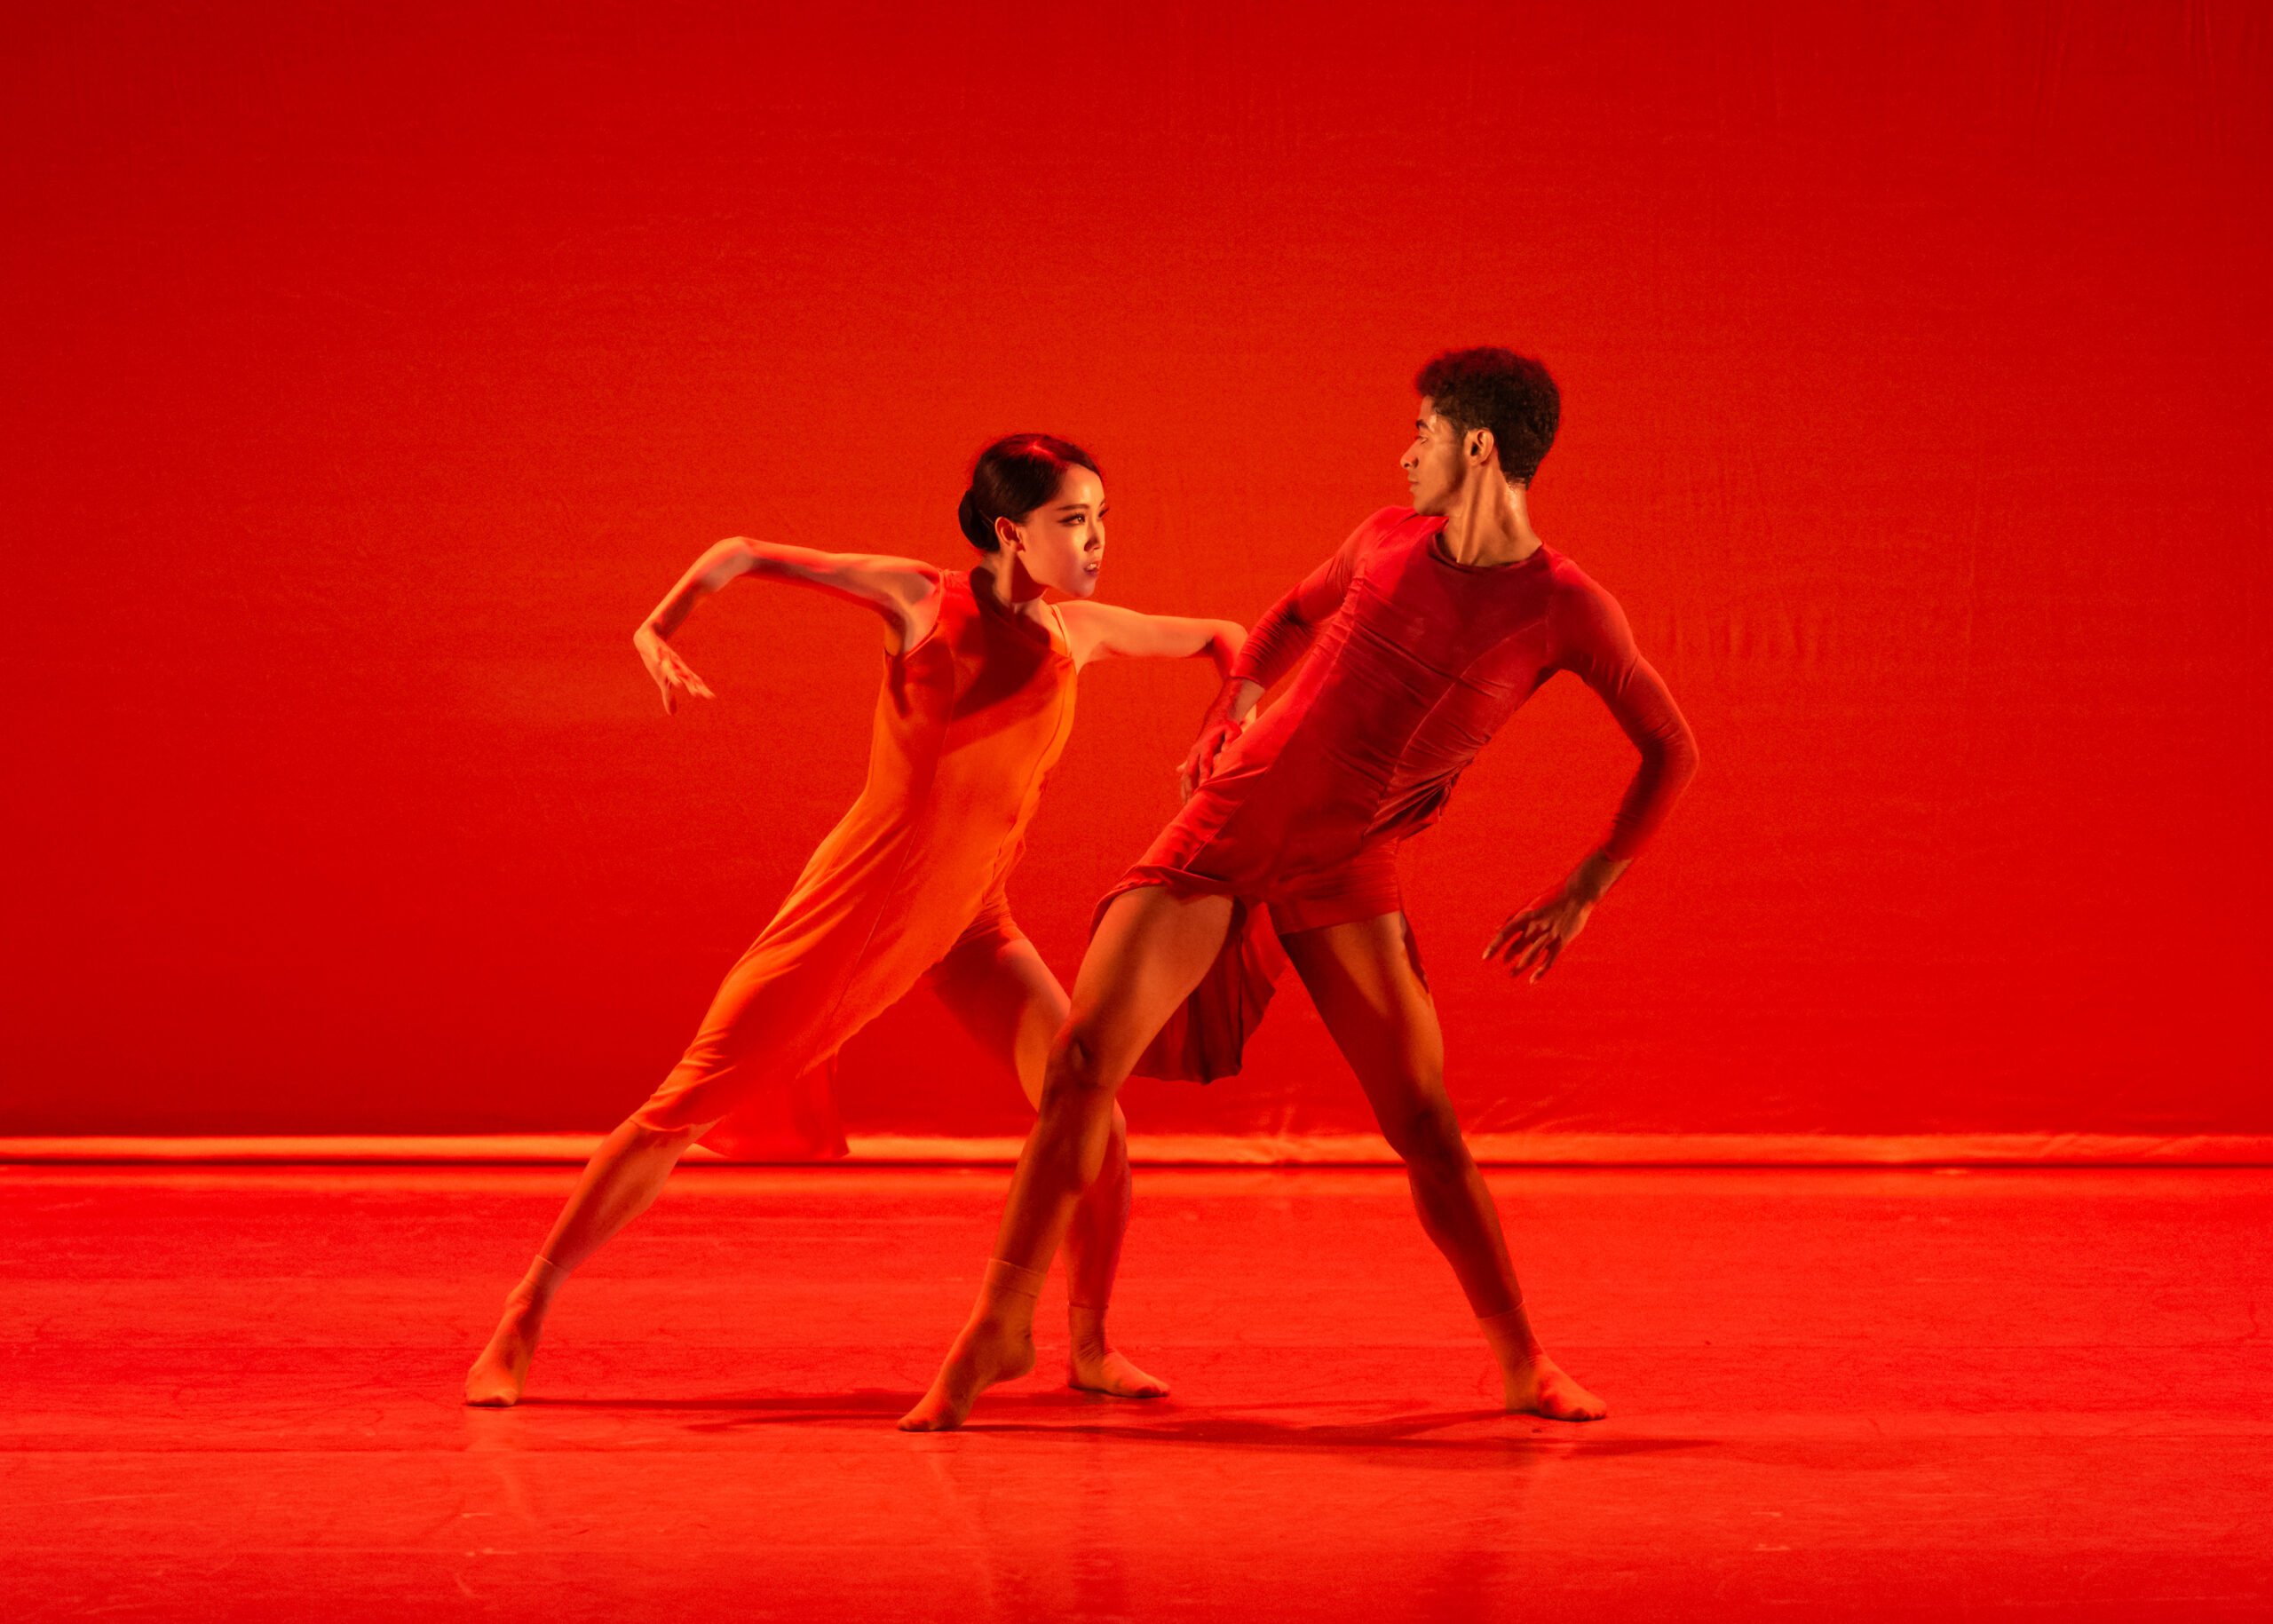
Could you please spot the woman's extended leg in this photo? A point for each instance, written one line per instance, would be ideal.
(1365, 979)
(1005, 997)
(619, 1183)
(1150, 950)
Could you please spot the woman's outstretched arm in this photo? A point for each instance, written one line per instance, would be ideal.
(905, 591)
(1103, 632)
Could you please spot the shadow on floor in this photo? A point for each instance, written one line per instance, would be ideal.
(1073, 1414)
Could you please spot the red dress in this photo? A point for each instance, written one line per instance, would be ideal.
(968, 724)
(1417, 662)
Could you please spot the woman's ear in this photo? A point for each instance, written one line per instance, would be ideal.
(1007, 535)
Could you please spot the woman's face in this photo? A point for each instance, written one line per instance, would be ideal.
(1062, 541)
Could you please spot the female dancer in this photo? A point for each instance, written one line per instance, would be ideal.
(977, 702)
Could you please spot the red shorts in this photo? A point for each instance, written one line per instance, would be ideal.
(1365, 887)
(1204, 1037)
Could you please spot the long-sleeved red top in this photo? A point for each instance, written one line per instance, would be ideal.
(1414, 662)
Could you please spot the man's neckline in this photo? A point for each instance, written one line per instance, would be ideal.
(1436, 551)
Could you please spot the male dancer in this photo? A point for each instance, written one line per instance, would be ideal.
(1426, 631)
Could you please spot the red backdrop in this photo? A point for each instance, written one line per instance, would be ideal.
(369, 372)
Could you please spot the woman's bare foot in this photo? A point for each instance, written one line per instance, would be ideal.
(1094, 1366)
(989, 1351)
(503, 1370)
(1544, 1387)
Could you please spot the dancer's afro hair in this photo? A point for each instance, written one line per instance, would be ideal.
(1495, 389)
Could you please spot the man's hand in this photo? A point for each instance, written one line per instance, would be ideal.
(1226, 720)
(1534, 939)
(1200, 765)
(672, 674)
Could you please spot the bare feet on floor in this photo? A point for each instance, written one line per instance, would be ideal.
(1094, 1366)
(503, 1370)
(1544, 1387)
(986, 1353)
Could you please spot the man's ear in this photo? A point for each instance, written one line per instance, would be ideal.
(1480, 445)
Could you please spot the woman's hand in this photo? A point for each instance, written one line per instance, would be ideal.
(1200, 765)
(671, 673)
(1223, 645)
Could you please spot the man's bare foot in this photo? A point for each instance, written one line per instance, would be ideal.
(986, 1353)
(503, 1370)
(1094, 1366)
(1542, 1388)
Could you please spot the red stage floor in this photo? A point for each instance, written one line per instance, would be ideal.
(232, 1394)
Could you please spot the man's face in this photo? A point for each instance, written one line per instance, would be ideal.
(1434, 465)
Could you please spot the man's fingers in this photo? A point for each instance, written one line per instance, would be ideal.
(1517, 934)
(1538, 955)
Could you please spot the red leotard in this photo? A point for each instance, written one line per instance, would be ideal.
(1417, 662)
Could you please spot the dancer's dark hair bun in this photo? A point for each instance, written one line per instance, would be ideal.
(1013, 476)
(975, 530)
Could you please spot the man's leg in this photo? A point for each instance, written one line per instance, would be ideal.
(1364, 979)
(1150, 950)
(1004, 996)
(621, 1182)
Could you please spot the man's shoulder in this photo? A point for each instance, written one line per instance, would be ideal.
(1580, 603)
(1386, 526)
(1563, 573)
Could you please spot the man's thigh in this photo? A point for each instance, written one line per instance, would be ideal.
(1364, 977)
(1151, 949)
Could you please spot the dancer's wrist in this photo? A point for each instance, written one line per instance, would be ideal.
(1235, 703)
(1593, 876)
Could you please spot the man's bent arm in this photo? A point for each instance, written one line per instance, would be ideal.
(1638, 698)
